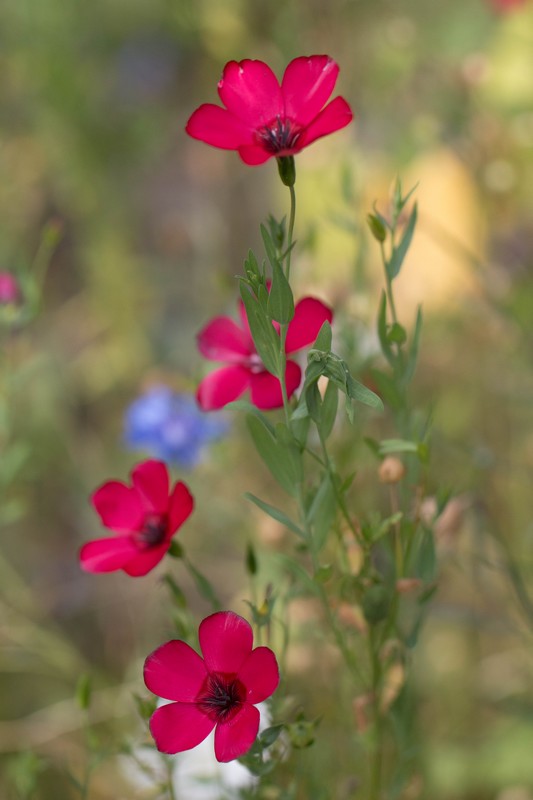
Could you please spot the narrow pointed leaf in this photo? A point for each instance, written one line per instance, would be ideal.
(265, 338)
(280, 300)
(273, 454)
(399, 253)
(276, 514)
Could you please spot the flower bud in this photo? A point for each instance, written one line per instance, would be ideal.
(376, 603)
(391, 470)
(287, 170)
(377, 228)
(407, 585)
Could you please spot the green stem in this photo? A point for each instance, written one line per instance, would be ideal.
(377, 755)
(170, 784)
(292, 217)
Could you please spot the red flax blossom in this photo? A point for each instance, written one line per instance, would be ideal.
(263, 119)
(217, 691)
(144, 517)
(224, 340)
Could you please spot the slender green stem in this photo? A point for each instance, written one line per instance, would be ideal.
(338, 495)
(170, 782)
(292, 217)
(388, 283)
(377, 755)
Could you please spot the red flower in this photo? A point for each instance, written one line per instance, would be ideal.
(218, 691)
(145, 517)
(263, 119)
(223, 340)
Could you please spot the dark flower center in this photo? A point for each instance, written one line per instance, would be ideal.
(279, 135)
(221, 696)
(153, 531)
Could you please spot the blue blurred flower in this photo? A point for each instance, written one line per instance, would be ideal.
(171, 427)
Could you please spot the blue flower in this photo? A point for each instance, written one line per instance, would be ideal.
(171, 427)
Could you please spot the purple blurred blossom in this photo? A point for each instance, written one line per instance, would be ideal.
(171, 427)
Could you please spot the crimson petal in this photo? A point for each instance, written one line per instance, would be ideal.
(175, 671)
(145, 560)
(119, 507)
(235, 737)
(307, 86)
(179, 726)
(151, 481)
(107, 555)
(254, 154)
(223, 340)
(309, 316)
(333, 117)
(260, 674)
(222, 387)
(180, 506)
(266, 388)
(226, 640)
(250, 90)
(218, 127)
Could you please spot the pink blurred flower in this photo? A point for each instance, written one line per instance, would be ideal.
(506, 5)
(145, 517)
(217, 691)
(263, 119)
(9, 289)
(223, 340)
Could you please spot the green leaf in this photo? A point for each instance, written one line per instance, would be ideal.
(322, 513)
(274, 455)
(269, 735)
(357, 391)
(249, 408)
(383, 331)
(277, 230)
(250, 559)
(412, 358)
(399, 252)
(323, 340)
(280, 300)
(388, 446)
(386, 525)
(84, 691)
(270, 248)
(314, 403)
(204, 587)
(145, 706)
(330, 404)
(177, 595)
(426, 567)
(297, 571)
(266, 340)
(276, 514)
(251, 268)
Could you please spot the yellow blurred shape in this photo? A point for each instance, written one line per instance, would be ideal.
(443, 264)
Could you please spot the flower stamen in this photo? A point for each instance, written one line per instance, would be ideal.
(221, 696)
(279, 135)
(153, 531)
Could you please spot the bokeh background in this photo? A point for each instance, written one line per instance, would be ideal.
(154, 227)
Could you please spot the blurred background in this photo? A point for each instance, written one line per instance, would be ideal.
(153, 228)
